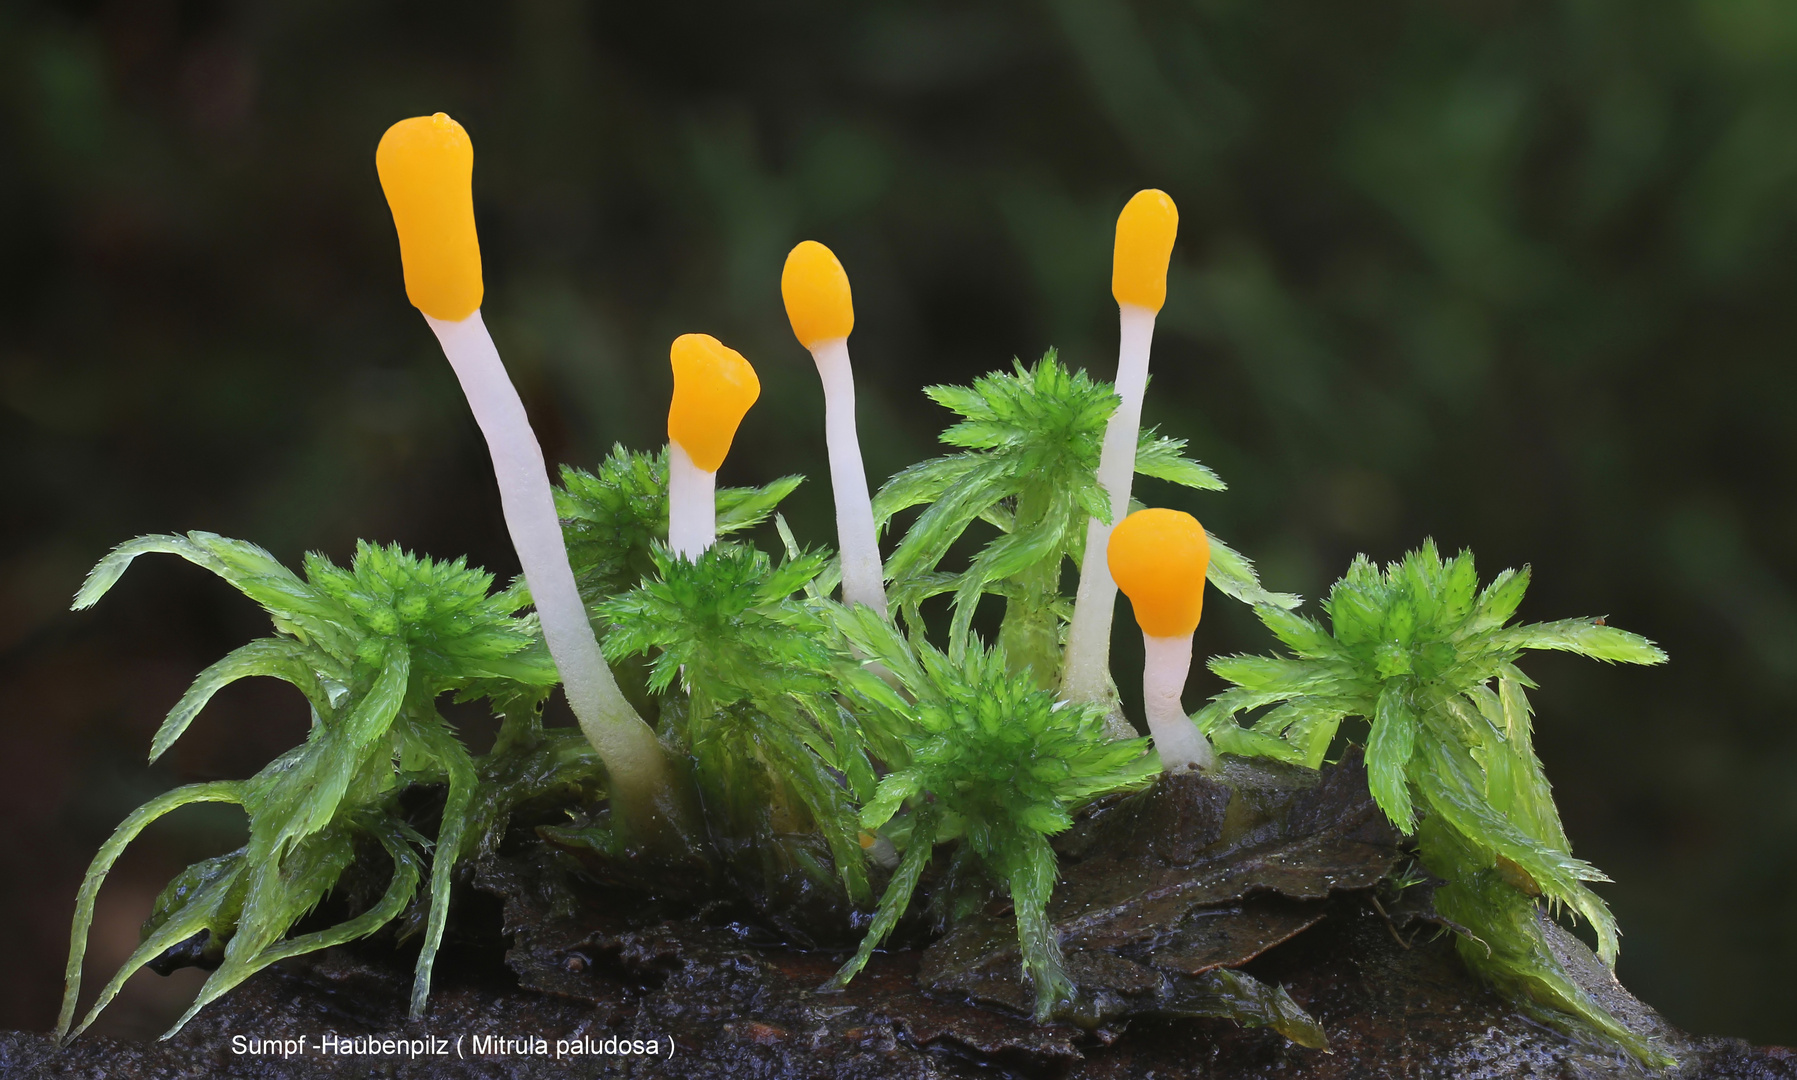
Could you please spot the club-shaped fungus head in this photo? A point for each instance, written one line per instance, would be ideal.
(1158, 558)
(1145, 232)
(713, 388)
(816, 290)
(426, 165)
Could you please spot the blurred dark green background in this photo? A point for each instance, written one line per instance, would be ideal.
(1518, 274)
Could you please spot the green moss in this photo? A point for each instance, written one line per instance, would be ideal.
(1425, 656)
(749, 645)
(991, 760)
(818, 738)
(371, 648)
(1029, 468)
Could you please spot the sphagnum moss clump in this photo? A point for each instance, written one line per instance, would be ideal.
(801, 737)
(994, 762)
(371, 648)
(773, 750)
(1428, 659)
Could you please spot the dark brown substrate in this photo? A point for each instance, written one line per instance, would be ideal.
(1273, 878)
(735, 1010)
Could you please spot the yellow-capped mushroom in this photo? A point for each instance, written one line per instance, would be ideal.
(816, 290)
(822, 311)
(713, 389)
(1144, 245)
(426, 167)
(1159, 559)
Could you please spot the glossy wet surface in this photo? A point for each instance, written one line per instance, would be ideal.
(737, 1010)
(1170, 902)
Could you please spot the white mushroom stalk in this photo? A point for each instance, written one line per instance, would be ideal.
(713, 388)
(1158, 558)
(822, 311)
(1144, 245)
(426, 167)
(692, 505)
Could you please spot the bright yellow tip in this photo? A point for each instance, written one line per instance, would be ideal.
(427, 170)
(1145, 232)
(1158, 558)
(713, 387)
(816, 290)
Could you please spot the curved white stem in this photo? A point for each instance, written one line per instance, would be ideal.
(625, 743)
(1087, 660)
(861, 571)
(1164, 669)
(692, 505)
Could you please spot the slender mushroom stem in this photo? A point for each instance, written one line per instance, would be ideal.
(623, 740)
(426, 166)
(1144, 245)
(713, 388)
(862, 572)
(822, 311)
(1087, 662)
(1166, 663)
(1158, 557)
(692, 505)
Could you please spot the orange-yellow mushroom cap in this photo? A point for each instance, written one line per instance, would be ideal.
(713, 387)
(816, 290)
(427, 170)
(1158, 558)
(1145, 232)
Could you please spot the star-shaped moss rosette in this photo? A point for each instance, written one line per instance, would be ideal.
(994, 761)
(773, 749)
(613, 516)
(1424, 656)
(1029, 468)
(371, 648)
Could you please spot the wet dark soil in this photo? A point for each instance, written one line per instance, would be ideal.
(733, 1009)
(1178, 909)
